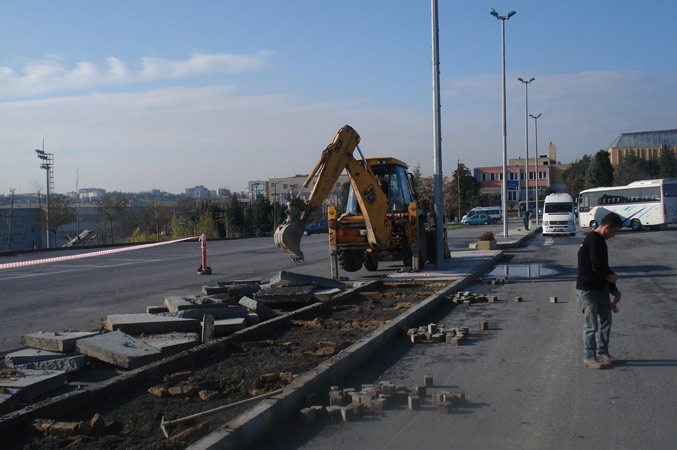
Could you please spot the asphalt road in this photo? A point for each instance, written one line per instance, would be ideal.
(525, 384)
(79, 294)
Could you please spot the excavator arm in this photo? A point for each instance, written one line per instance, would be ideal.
(372, 200)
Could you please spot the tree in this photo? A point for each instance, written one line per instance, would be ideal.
(631, 168)
(574, 176)
(234, 216)
(60, 212)
(111, 207)
(261, 216)
(469, 192)
(667, 163)
(600, 171)
(207, 225)
(425, 192)
(156, 219)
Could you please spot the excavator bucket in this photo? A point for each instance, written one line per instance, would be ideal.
(288, 237)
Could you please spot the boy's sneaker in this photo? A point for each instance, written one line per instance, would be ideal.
(593, 363)
(606, 358)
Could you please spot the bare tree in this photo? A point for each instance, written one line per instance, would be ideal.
(111, 206)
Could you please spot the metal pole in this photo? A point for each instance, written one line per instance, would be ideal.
(458, 180)
(536, 165)
(439, 254)
(504, 185)
(47, 214)
(526, 136)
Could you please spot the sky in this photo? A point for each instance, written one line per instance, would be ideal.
(138, 95)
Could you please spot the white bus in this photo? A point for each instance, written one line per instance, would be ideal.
(649, 203)
(558, 215)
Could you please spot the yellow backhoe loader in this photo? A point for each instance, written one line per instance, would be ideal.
(381, 222)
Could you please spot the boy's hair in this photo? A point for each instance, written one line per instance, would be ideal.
(613, 220)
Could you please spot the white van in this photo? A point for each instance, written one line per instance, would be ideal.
(558, 215)
(494, 213)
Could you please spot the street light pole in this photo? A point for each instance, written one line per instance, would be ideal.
(504, 186)
(47, 164)
(458, 183)
(526, 137)
(437, 137)
(536, 174)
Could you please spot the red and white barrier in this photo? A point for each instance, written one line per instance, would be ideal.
(13, 265)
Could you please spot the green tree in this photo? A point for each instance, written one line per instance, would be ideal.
(234, 217)
(156, 219)
(261, 216)
(667, 163)
(631, 168)
(574, 176)
(600, 171)
(462, 180)
(181, 226)
(112, 207)
(207, 225)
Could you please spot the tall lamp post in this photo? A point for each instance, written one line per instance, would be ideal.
(526, 137)
(47, 164)
(458, 186)
(536, 174)
(504, 186)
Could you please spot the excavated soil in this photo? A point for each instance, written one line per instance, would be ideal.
(132, 420)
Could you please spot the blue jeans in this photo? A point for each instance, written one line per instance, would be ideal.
(597, 326)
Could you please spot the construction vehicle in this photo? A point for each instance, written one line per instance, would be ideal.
(382, 219)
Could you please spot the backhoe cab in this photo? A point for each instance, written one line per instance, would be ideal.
(381, 222)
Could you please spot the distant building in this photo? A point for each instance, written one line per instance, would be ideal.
(643, 144)
(91, 194)
(544, 171)
(197, 192)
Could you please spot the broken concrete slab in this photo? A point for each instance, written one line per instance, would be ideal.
(9, 400)
(230, 283)
(258, 307)
(156, 309)
(171, 343)
(33, 383)
(325, 294)
(285, 278)
(207, 328)
(30, 355)
(230, 292)
(119, 349)
(149, 323)
(224, 312)
(285, 294)
(176, 303)
(228, 326)
(68, 364)
(55, 341)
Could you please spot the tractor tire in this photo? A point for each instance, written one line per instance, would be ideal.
(350, 260)
(370, 262)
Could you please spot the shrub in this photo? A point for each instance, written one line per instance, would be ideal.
(487, 236)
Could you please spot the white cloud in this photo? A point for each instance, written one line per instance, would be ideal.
(173, 138)
(51, 75)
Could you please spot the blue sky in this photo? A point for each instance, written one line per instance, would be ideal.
(136, 95)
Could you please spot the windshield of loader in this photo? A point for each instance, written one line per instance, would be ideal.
(394, 183)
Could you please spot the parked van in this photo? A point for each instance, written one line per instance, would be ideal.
(494, 213)
(558, 215)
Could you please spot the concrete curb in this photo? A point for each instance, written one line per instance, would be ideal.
(252, 424)
(520, 241)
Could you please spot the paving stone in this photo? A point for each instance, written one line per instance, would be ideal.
(31, 355)
(119, 349)
(54, 341)
(492, 299)
(149, 323)
(421, 390)
(171, 343)
(484, 326)
(326, 294)
(156, 309)
(285, 278)
(518, 299)
(553, 299)
(252, 319)
(335, 398)
(333, 411)
(231, 292)
(445, 407)
(347, 413)
(377, 404)
(258, 307)
(428, 380)
(308, 415)
(227, 326)
(414, 402)
(176, 303)
(207, 328)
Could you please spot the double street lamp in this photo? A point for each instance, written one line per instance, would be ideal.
(504, 186)
(47, 164)
(526, 143)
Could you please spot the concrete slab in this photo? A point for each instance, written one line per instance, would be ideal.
(149, 323)
(228, 326)
(285, 278)
(324, 294)
(285, 294)
(30, 355)
(176, 303)
(33, 383)
(231, 292)
(258, 307)
(119, 349)
(9, 400)
(68, 364)
(171, 343)
(54, 341)
(224, 312)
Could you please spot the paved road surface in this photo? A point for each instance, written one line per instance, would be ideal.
(524, 379)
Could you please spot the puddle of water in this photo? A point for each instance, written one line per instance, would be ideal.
(533, 270)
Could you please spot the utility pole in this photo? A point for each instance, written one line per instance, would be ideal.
(526, 140)
(536, 165)
(47, 164)
(458, 185)
(437, 175)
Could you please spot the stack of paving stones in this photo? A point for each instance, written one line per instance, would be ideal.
(468, 298)
(348, 403)
(433, 333)
(494, 281)
(130, 341)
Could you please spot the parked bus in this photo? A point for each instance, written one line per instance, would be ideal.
(558, 215)
(648, 203)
